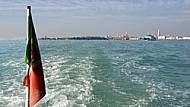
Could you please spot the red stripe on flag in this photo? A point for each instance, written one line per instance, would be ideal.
(37, 85)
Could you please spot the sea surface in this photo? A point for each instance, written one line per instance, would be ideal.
(103, 73)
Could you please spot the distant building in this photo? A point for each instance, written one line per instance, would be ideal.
(171, 37)
(159, 32)
(122, 37)
(186, 37)
(125, 37)
(160, 37)
(134, 38)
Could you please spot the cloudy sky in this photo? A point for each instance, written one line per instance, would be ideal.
(59, 18)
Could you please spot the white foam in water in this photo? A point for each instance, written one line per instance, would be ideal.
(68, 81)
(13, 63)
(130, 67)
(143, 74)
(12, 92)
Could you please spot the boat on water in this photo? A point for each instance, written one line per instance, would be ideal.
(149, 38)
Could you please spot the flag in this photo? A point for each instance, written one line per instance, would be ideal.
(34, 78)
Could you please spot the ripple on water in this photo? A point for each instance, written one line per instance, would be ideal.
(69, 81)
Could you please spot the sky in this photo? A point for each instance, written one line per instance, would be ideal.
(68, 18)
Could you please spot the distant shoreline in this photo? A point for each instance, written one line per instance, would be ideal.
(75, 38)
(115, 38)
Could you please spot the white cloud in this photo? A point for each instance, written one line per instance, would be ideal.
(91, 7)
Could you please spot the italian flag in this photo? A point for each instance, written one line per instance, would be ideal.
(34, 78)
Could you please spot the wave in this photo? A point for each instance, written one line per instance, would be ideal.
(68, 81)
(156, 84)
(12, 92)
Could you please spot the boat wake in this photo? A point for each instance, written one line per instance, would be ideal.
(68, 81)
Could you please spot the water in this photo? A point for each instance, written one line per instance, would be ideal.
(101, 73)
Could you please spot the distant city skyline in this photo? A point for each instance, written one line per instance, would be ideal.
(60, 18)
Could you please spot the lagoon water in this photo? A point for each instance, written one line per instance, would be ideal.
(101, 73)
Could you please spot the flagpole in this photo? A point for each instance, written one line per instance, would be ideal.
(34, 78)
(27, 67)
(27, 89)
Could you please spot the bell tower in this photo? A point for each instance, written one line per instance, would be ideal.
(159, 32)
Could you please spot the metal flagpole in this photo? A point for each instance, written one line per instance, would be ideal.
(27, 89)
